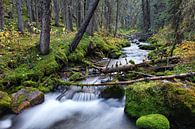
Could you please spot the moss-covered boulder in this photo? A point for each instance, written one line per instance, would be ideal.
(5, 101)
(174, 100)
(147, 47)
(112, 92)
(153, 121)
(26, 97)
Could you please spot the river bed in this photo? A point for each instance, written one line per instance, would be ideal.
(79, 110)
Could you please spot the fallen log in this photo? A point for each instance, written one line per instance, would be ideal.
(180, 76)
(129, 67)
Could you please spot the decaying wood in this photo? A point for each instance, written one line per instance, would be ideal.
(129, 67)
(180, 76)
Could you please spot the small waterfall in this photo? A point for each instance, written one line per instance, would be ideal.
(79, 94)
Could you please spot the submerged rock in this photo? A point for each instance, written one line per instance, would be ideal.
(153, 121)
(112, 92)
(5, 101)
(174, 100)
(25, 98)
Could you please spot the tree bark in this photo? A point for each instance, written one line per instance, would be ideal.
(20, 18)
(83, 27)
(144, 64)
(1, 15)
(45, 28)
(29, 8)
(80, 13)
(117, 17)
(69, 16)
(56, 11)
(146, 15)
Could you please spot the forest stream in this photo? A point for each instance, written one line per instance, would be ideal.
(79, 108)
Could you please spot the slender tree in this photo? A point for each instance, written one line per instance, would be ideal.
(29, 8)
(69, 16)
(1, 15)
(83, 27)
(56, 11)
(20, 18)
(45, 28)
(117, 17)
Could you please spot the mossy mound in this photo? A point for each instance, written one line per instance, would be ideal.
(147, 47)
(174, 100)
(153, 121)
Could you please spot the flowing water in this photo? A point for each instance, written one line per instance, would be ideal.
(78, 108)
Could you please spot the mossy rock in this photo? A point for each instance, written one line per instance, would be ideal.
(26, 97)
(76, 76)
(147, 47)
(174, 100)
(113, 92)
(153, 121)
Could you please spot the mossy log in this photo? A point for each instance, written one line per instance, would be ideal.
(180, 76)
(172, 60)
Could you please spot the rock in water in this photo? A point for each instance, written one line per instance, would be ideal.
(25, 98)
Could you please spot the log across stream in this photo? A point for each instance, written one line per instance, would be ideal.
(79, 108)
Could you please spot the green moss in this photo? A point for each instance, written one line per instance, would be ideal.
(153, 121)
(173, 100)
(147, 47)
(5, 100)
(75, 76)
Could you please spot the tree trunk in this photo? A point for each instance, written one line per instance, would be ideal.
(117, 17)
(83, 27)
(69, 17)
(56, 11)
(1, 15)
(128, 67)
(90, 28)
(80, 13)
(29, 8)
(146, 15)
(107, 16)
(45, 28)
(20, 18)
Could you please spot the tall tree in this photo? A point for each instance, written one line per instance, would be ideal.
(146, 15)
(83, 27)
(29, 8)
(80, 12)
(69, 16)
(1, 15)
(91, 27)
(176, 19)
(56, 11)
(117, 17)
(45, 28)
(20, 18)
(108, 15)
